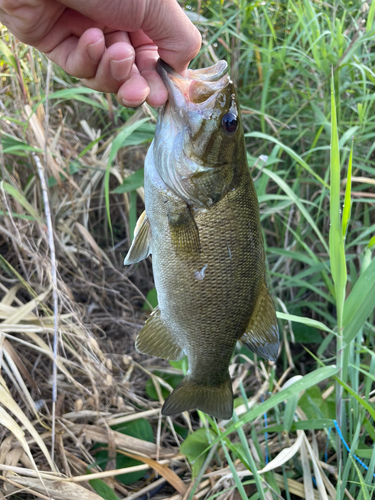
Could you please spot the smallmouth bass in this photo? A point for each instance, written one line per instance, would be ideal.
(201, 224)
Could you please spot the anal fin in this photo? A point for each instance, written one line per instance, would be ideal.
(156, 340)
(262, 333)
(141, 245)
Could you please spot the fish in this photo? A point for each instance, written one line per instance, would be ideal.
(201, 225)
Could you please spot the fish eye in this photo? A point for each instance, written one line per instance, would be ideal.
(230, 123)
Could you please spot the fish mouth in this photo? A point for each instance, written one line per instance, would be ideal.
(210, 74)
(198, 85)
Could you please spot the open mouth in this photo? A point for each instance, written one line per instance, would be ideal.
(210, 74)
(198, 86)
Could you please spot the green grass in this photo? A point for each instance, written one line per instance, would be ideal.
(305, 78)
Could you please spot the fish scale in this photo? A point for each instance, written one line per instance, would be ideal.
(203, 230)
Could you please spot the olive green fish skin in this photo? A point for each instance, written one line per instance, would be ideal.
(208, 315)
(206, 244)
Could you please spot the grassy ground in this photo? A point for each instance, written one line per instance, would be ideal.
(304, 72)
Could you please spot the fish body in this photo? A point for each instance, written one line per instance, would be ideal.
(201, 224)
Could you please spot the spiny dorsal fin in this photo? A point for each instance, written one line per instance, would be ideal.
(156, 340)
(141, 245)
(214, 400)
(262, 332)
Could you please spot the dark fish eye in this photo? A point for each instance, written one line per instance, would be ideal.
(230, 123)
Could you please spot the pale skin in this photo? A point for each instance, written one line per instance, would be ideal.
(112, 45)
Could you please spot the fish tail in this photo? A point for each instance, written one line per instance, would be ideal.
(215, 400)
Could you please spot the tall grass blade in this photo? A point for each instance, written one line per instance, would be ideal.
(250, 459)
(304, 320)
(357, 397)
(348, 200)
(337, 255)
(292, 195)
(360, 303)
(290, 152)
(336, 240)
(370, 17)
(237, 480)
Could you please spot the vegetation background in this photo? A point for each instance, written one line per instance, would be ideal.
(79, 408)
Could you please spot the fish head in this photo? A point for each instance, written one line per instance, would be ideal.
(199, 143)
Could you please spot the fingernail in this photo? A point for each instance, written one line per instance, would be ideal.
(132, 104)
(120, 69)
(93, 51)
(126, 103)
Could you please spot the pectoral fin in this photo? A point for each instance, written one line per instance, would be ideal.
(141, 245)
(184, 230)
(156, 340)
(262, 333)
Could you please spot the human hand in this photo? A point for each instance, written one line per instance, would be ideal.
(112, 45)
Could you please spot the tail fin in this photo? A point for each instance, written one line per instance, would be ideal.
(214, 400)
